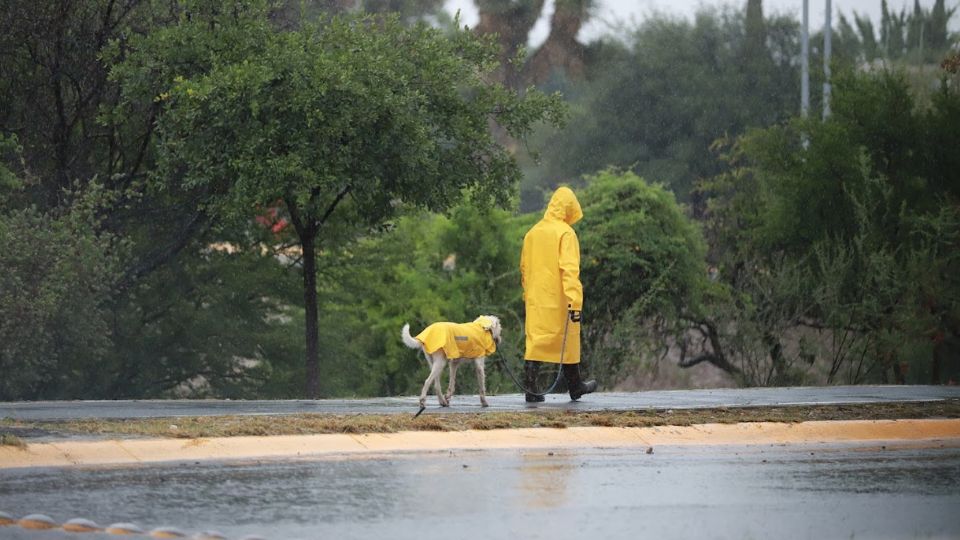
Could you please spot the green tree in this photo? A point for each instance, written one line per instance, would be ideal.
(55, 290)
(656, 108)
(221, 323)
(642, 266)
(938, 25)
(350, 117)
(52, 86)
(828, 247)
(425, 268)
(868, 39)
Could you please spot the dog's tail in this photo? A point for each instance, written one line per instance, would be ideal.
(409, 340)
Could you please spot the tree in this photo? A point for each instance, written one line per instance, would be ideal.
(509, 23)
(755, 43)
(868, 39)
(340, 123)
(425, 268)
(561, 53)
(642, 264)
(59, 270)
(938, 31)
(917, 38)
(53, 85)
(649, 112)
(837, 240)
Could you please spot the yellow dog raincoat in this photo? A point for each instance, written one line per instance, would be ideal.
(459, 340)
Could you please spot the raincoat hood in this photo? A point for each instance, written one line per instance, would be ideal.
(564, 206)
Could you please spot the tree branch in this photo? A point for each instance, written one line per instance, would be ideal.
(343, 193)
(159, 257)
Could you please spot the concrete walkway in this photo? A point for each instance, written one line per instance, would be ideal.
(613, 401)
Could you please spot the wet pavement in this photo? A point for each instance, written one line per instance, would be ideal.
(705, 492)
(671, 399)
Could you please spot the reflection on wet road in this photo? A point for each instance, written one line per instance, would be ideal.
(704, 492)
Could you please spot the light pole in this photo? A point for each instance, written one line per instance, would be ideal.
(805, 61)
(827, 31)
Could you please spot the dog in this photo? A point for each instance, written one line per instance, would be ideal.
(455, 343)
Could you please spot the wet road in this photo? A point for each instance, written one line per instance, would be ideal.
(674, 399)
(704, 492)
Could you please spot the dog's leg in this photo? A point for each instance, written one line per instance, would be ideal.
(453, 379)
(481, 380)
(426, 383)
(437, 361)
(440, 361)
(437, 382)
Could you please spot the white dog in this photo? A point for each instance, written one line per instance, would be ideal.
(455, 342)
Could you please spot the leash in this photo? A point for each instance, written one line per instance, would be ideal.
(506, 367)
(524, 388)
(563, 347)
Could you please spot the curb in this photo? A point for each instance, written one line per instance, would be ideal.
(135, 451)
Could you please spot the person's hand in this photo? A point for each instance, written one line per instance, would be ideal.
(575, 315)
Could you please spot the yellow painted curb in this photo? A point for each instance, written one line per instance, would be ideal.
(123, 529)
(86, 453)
(167, 532)
(37, 521)
(81, 525)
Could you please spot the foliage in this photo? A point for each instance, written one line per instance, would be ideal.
(52, 85)
(72, 127)
(642, 264)
(8, 180)
(58, 276)
(357, 114)
(222, 324)
(842, 215)
(162, 165)
(655, 108)
(887, 302)
(426, 268)
(876, 126)
(909, 38)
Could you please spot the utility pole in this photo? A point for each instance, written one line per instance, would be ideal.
(827, 31)
(805, 61)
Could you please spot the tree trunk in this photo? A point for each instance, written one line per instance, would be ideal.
(511, 22)
(311, 326)
(308, 228)
(561, 52)
(778, 364)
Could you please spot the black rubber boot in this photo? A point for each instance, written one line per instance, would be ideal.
(530, 371)
(576, 385)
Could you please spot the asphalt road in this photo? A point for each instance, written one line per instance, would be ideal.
(674, 399)
(705, 492)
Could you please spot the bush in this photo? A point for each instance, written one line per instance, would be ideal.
(642, 266)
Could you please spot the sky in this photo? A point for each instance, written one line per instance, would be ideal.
(610, 13)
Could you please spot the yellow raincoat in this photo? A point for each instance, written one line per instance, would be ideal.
(466, 340)
(550, 275)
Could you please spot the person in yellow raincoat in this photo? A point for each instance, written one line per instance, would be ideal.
(553, 295)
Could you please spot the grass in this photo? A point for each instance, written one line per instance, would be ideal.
(300, 424)
(7, 439)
